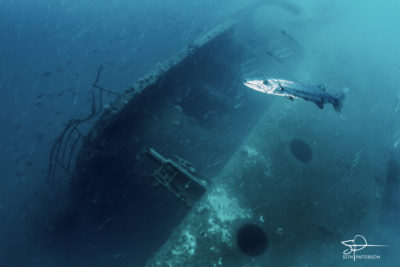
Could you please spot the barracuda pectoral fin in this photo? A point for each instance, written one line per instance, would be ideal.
(290, 97)
(320, 105)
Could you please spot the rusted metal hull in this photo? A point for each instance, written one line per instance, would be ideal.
(306, 209)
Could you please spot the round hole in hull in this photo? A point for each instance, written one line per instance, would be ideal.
(300, 150)
(252, 240)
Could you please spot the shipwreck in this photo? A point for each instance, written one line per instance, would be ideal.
(251, 183)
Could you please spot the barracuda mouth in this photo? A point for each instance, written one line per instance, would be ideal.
(257, 85)
(263, 86)
(251, 83)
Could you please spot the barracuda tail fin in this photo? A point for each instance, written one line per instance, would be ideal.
(339, 98)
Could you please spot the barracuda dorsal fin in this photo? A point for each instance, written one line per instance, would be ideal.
(320, 105)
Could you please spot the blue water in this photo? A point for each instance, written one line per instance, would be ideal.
(50, 52)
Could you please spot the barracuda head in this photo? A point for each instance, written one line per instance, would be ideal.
(268, 86)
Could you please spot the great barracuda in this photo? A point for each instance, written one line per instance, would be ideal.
(292, 90)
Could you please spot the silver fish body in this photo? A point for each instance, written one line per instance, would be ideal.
(292, 90)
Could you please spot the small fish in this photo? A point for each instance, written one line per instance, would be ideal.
(21, 158)
(292, 90)
(39, 137)
(39, 105)
(46, 74)
(274, 57)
